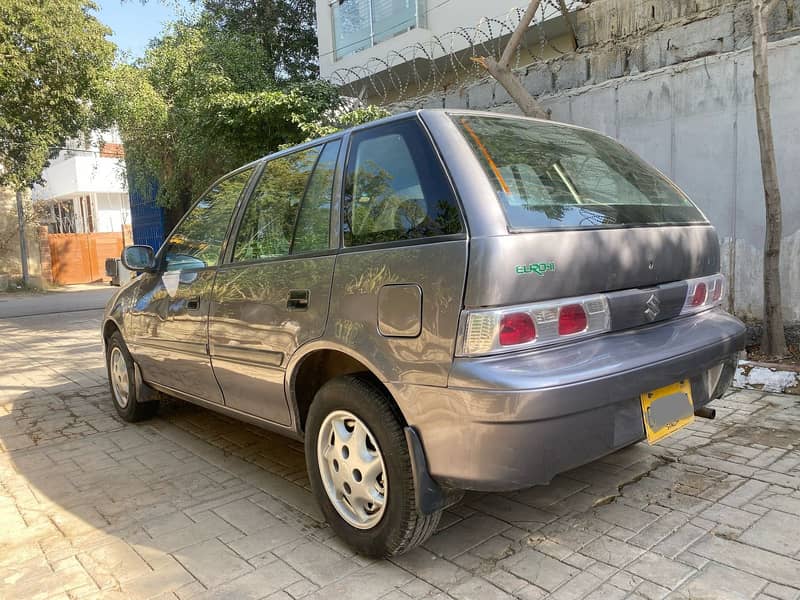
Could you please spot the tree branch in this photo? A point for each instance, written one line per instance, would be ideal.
(769, 6)
(506, 77)
(562, 4)
(516, 37)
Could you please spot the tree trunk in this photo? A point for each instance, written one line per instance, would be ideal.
(501, 70)
(506, 77)
(773, 342)
(23, 245)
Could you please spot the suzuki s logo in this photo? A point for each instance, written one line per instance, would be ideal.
(653, 305)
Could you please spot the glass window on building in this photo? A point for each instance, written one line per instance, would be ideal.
(359, 24)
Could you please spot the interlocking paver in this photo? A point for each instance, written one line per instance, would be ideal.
(775, 531)
(774, 567)
(719, 581)
(193, 504)
(608, 550)
(660, 570)
(539, 569)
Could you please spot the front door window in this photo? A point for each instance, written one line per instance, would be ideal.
(197, 241)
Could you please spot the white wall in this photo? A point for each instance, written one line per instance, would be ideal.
(438, 18)
(112, 211)
(81, 173)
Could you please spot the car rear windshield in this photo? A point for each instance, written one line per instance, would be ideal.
(553, 176)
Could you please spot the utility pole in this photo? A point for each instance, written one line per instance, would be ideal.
(23, 248)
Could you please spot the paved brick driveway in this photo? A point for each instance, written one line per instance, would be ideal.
(196, 505)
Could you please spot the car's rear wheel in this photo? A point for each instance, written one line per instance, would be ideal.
(360, 469)
(121, 379)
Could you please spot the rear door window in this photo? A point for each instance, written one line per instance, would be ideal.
(395, 188)
(313, 228)
(550, 176)
(268, 223)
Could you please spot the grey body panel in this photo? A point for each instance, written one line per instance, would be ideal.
(168, 331)
(253, 331)
(587, 262)
(517, 420)
(438, 269)
(483, 212)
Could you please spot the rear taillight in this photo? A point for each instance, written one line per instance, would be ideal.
(703, 293)
(532, 325)
(700, 294)
(716, 291)
(572, 319)
(516, 328)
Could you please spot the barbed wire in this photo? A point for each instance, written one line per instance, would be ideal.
(445, 61)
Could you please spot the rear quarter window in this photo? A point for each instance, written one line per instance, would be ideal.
(395, 188)
(552, 176)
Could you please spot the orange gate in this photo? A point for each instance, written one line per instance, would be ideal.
(81, 257)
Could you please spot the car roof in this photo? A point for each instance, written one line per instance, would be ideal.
(419, 113)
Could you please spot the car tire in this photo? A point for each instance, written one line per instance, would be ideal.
(122, 382)
(396, 526)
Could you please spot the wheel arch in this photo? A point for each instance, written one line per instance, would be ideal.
(110, 326)
(317, 364)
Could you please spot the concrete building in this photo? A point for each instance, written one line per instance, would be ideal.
(395, 48)
(85, 190)
(672, 80)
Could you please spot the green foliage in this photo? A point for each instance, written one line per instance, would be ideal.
(333, 121)
(203, 101)
(284, 29)
(53, 56)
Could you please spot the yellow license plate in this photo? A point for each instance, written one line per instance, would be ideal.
(667, 409)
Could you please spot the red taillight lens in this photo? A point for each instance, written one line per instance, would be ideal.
(699, 296)
(717, 294)
(571, 319)
(516, 328)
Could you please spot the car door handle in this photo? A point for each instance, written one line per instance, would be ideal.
(193, 304)
(298, 300)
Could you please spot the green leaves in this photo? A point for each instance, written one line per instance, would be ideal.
(204, 101)
(53, 58)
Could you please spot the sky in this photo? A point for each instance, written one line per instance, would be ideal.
(134, 24)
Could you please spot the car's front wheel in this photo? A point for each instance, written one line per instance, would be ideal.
(360, 469)
(121, 373)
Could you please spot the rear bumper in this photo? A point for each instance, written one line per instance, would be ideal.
(517, 420)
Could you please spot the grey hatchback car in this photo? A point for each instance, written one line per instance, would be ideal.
(434, 302)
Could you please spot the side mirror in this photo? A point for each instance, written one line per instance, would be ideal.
(139, 258)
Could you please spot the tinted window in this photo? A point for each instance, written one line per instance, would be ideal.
(313, 228)
(395, 188)
(197, 241)
(548, 175)
(269, 219)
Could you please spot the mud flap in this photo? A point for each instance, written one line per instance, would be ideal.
(144, 393)
(429, 495)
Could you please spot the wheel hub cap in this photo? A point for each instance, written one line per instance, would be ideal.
(352, 470)
(119, 377)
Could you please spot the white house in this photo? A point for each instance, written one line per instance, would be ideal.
(84, 189)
